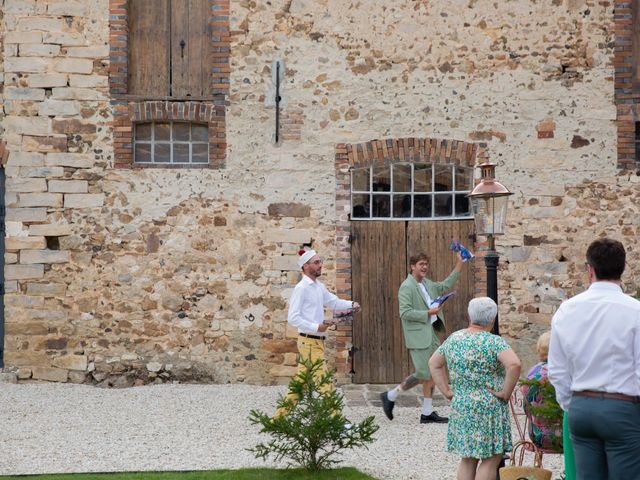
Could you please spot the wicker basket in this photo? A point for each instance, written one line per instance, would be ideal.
(513, 472)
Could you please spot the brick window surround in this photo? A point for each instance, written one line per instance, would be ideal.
(386, 152)
(627, 91)
(128, 109)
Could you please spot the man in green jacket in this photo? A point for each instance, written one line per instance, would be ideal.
(423, 327)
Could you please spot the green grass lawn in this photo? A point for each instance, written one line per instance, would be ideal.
(242, 474)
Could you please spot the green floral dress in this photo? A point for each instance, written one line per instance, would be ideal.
(479, 425)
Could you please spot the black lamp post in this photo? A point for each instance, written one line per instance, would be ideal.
(489, 201)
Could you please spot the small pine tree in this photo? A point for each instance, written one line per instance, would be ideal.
(314, 430)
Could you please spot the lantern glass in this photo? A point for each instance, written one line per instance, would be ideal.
(490, 214)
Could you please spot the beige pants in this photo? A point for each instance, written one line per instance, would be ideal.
(308, 349)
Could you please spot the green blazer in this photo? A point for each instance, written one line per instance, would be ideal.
(416, 326)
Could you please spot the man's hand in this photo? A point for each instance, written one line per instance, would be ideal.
(434, 310)
(323, 327)
(356, 306)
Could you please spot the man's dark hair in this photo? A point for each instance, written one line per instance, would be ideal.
(607, 257)
(417, 257)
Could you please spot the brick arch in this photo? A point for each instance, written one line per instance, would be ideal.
(382, 152)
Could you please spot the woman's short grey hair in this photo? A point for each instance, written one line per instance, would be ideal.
(482, 311)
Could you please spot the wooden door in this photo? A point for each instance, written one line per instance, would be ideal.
(149, 36)
(191, 49)
(170, 48)
(380, 252)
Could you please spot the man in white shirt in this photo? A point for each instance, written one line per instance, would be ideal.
(594, 365)
(306, 312)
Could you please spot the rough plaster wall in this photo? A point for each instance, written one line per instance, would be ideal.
(185, 274)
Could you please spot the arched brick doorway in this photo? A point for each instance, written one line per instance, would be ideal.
(372, 257)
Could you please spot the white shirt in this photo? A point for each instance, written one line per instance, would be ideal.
(595, 343)
(306, 306)
(427, 298)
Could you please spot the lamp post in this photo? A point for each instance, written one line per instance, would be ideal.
(489, 201)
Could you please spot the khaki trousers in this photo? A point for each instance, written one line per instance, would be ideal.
(308, 349)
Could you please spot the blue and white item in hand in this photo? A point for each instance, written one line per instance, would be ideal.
(456, 246)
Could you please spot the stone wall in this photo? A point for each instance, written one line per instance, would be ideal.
(118, 276)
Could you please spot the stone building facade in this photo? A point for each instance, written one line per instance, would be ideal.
(117, 274)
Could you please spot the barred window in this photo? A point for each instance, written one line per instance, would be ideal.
(171, 143)
(411, 191)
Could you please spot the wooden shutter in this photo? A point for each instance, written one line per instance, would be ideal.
(149, 36)
(191, 48)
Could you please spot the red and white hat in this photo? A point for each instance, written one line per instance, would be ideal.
(305, 256)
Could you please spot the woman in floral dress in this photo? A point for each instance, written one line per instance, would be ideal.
(483, 371)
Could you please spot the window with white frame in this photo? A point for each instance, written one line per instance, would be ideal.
(411, 191)
(171, 142)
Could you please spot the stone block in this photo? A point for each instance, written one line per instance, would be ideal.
(39, 200)
(73, 65)
(71, 362)
(15, 229)
(75, 160)
(28, 257)
(10, 258)
(13, 244)
(11, 287)
(83, 200)
(23, 37)
(70, 93)
(25, 65)
(27, 125)
(68, 9)
(41, 24)
(23, 7)
(68, 186)
(288, 235)
(73, 126)
(64, 38)
(23, 272)
(95, 51)
(44, 172)
(58, 108)
(21, 357)
(47, 289)
(285, 263)
(50, 374)
(24, 373)
(39, 50)
(26, 185)
(49, 143)
(27, 214)
(47, 80)
(50, 230)
(19, 93)
(25, 159)
(23, 301)
(289, 209)
(88, 81)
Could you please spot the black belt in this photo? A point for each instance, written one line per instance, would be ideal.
(611, 396)
(315, 337)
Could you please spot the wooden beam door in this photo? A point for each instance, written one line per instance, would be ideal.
(380, 252)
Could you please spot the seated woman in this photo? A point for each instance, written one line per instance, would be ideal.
(483, 371)
(545, 428)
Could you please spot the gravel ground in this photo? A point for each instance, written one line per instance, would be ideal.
(60, 428)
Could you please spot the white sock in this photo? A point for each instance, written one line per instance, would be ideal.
(393, 393)
(427, 406)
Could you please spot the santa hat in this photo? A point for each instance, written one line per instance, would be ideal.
(305, 256)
